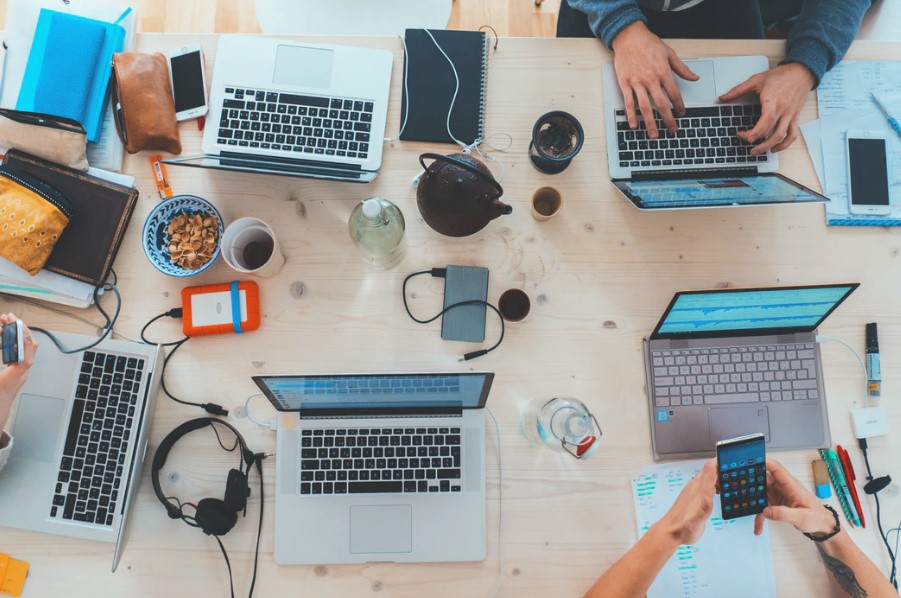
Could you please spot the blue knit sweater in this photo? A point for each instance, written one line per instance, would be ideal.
(818, 40)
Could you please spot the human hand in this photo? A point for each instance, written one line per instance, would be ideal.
(688, 516)
(792, 503)
(644, 69)
(783, 91)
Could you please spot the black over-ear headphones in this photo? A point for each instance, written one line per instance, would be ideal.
(213, 516)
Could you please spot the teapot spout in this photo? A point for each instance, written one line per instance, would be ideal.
(501, 209)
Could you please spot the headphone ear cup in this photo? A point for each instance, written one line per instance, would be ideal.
(215, 517)
(236, 490)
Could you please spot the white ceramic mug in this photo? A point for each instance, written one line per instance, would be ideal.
(245, 244)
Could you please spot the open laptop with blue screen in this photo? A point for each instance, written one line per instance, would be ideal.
(730, 362)
(379, 467)
(703, 164)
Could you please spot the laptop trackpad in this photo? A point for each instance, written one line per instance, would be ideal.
(701, 92)
(732, 421)
(37, 422)
(380, 529)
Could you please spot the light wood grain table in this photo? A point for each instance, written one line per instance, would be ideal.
(599, 276)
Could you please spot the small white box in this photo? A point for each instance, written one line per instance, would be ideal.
(869, 422)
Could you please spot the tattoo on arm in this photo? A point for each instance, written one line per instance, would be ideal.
(842, 574)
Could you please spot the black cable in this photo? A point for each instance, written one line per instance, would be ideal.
(110, 321)
(440, 273)
(258, 461)
(211, 408)
(231, 583)
(866, 459)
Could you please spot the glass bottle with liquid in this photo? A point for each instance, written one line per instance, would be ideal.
(377, 227)
(562, 424)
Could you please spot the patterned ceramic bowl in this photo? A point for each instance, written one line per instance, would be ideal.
(155, 238)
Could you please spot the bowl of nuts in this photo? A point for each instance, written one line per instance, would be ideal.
(182, 235)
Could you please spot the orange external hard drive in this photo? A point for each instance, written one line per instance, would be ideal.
(220, 308)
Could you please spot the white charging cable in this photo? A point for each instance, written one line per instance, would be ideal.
(403, 122)
(500, 507)
(272, 425)
(866, 385)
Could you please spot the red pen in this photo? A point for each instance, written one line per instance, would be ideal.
(850, 476)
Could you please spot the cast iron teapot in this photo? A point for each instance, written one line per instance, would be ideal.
(457, 195)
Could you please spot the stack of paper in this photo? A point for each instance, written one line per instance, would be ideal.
(728, 560)
(844, 103)
(21, 21)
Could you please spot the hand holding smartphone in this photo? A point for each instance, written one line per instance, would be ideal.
(868, 192)
(13, 338)
(741, 472)
(188, 81)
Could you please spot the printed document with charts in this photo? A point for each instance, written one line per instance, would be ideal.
(708, 567)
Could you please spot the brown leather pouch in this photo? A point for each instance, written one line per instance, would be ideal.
(142, 102)
(33, 216)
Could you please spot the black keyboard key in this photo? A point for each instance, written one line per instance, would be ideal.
(448, 474)
(288, 98)
(375, 487)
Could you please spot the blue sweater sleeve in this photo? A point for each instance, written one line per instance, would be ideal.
(823, 33)
(608, 17)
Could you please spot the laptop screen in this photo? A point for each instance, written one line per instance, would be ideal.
(770, 311)
(701, 192)
(347, 394)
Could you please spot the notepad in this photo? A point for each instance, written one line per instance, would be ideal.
(69, 67)
(430, 85)
(728, 560)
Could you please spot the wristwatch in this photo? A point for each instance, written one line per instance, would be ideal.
(823, 537)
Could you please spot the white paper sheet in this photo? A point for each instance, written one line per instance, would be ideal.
(728, 560)
(849, 84)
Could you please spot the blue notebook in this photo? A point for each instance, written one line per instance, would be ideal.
(69, 66)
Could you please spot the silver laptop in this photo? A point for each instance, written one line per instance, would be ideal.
(296, 109)
(729, 362)
(80, 435)
(379, 467)
(703, 164)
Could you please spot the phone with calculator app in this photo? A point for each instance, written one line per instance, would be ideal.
(741, 467)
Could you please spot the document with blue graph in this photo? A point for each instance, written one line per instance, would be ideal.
(728, 560)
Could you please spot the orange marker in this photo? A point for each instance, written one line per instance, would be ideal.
(160, 176)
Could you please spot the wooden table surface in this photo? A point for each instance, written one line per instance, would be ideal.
(599, 275)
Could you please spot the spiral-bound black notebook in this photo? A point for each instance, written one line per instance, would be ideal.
(431, 82)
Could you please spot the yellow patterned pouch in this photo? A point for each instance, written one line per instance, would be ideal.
(33, 215)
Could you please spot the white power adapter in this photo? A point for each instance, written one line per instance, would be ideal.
(869, 422)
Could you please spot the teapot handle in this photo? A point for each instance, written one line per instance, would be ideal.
(464, 166)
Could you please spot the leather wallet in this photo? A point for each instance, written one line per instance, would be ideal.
(87, 249)
(33, 216)
(54, 138)
(143, 104)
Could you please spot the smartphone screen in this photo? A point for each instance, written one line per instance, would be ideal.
(741, 463)
(187, 81)
(11, 335)
(869, 174)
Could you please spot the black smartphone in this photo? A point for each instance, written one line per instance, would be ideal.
(13, 342)
(741, 464)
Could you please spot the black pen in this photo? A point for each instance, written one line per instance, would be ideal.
(874, 367)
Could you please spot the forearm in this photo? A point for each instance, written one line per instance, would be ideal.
(636, 570)
(852, 570)
(823, 33)
(11, 381)
(608, 17)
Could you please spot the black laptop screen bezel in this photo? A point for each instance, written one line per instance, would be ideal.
(657, 335)
(622, 186)
(386, 411)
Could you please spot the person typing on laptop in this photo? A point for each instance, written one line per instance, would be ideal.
(12, 378)
(645, 65)
(790, 502)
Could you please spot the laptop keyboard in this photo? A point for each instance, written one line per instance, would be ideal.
(379, 460)
(705, 136)
(321, 126)
(96, 449)
(735, 375)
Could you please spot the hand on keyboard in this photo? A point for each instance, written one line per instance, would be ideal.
(644, 69)
(783, 91)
